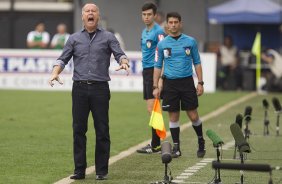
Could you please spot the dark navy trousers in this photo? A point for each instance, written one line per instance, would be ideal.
(92, 97)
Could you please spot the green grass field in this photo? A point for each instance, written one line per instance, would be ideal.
(36, 139)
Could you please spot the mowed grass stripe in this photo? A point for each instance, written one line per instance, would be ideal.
(141, 169)
(36, 133)
(133, 149)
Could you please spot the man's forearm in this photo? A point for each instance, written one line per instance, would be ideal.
(57, 69)
(199, 72)
(157, 74)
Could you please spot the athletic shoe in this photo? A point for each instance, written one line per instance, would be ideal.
(176, 151)
(149, 149)
(201, 151)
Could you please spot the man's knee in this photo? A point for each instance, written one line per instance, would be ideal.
(193, 115)
(174, 116)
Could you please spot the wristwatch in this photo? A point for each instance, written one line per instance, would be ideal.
(155, 87)
(201, 83)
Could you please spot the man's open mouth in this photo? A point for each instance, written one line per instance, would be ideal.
(91, 19)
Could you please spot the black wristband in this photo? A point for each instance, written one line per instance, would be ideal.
(201, 83)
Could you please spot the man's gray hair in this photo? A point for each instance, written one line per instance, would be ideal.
(82, 9)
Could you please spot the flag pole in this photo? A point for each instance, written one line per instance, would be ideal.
(256, 50)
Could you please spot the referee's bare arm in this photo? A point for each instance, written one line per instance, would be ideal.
(55, 75)
(199, 72)
(157, 74)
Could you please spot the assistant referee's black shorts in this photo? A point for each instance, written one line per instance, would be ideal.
(148, 83)
(179, 93)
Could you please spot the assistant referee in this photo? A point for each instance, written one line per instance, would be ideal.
(179, 53)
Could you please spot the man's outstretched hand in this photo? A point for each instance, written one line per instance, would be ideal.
(54, 78)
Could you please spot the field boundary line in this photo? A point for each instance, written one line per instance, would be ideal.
(190, 171)
(133, 149)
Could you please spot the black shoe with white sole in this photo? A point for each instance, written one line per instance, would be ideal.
(176, 151)
(201, 151)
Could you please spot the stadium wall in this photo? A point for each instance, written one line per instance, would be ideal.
(31, 69)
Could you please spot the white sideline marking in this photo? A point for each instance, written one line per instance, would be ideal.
(205, 161)
(133, 149)
(195, 168)
(228, 145)
(186, 174)
(191, 170)
(178, 181)
(202, 164)
(182, 177)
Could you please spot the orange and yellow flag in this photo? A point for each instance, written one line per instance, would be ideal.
(157, 121)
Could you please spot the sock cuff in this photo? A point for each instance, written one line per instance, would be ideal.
(173, 124)
(197, 123)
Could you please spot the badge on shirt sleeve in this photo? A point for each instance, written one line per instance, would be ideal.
(160, 37)
(167, 52)
(149, 43)
(156, 54)
(187, 50)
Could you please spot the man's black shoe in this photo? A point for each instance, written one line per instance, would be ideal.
(201, 151)
(101, 177)
(78, 176)
(176, 151)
